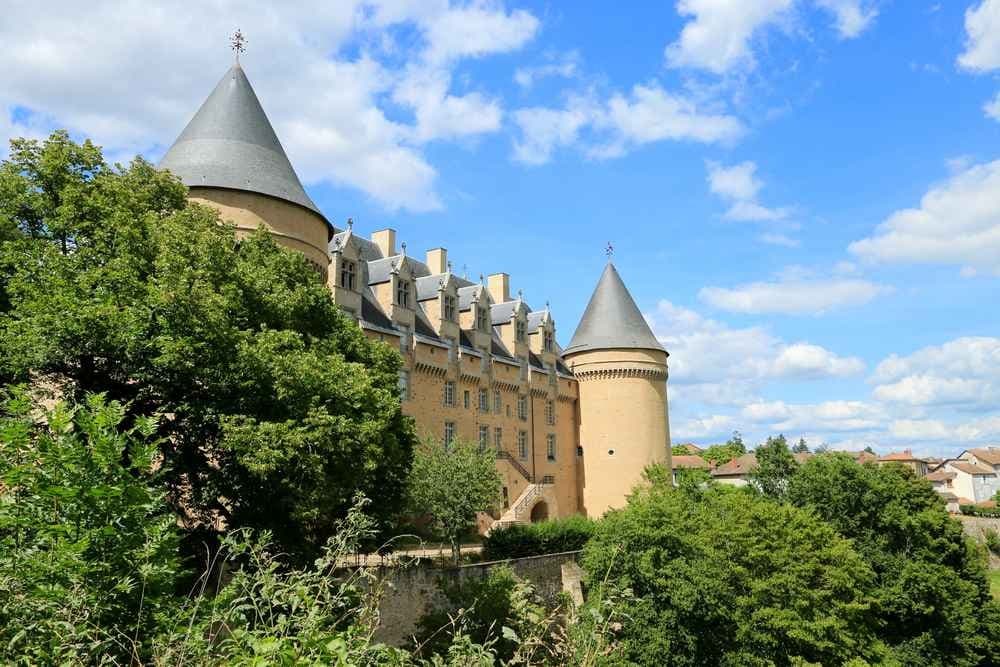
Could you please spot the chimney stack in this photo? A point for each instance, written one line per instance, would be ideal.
(499, 287)
(437, 260)
(385, 239)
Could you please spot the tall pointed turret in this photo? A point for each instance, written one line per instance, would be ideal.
(231, 159)
(622, 373)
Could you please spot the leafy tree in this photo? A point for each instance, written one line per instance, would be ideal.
(933, 600)
(775, 467)
(730, 577)
(278, 408)
(726, 452)
(679, 450)
(88, 545)
(451, 484)
(801, 447)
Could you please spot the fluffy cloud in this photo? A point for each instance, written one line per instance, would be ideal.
(739, 185)
(963, 372)
(647, 114)
(793, 296)
(982, 45)
(976, 431)
(324, 104)
(828, 416)
(958, 222)
(852, 16)
(564, 67)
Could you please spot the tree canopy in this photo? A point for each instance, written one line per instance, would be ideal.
(727, 451)
(775, 467)
(277, 410)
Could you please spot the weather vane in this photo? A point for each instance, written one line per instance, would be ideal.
(237, 42)
(610, 250)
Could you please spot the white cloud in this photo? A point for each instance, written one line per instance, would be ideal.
(717, 38)
(648, 114)
(958, 222)
(974, 431)
(780, 240)
(982, 44)
(326, 106)
(964, 372)
(992, 108)
(793, 296)
(852, 16)
(739, 185)
(828, 416)
(812, 361)
(564, 67)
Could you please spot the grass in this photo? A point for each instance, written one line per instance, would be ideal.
(994, 577)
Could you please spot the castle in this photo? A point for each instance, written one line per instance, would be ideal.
(572, 428)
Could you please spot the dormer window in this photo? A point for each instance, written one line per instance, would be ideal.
(482, 320)
(403, 293)
(449, 308)
(520, 330)
(548, 341)
(348, 271)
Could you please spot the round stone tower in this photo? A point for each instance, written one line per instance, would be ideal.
(622, 373)
(231, 159)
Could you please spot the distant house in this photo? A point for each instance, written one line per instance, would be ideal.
(736, 472)
(687, 462)
(988, 457)
(906, 458)
(965, 479)
(692, 449)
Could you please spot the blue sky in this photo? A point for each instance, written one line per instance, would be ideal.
(802, 194)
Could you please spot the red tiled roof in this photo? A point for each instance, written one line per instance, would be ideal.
(738, 466)
(905, 455)
(683, 461)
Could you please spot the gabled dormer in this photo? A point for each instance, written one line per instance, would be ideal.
(345, 279)
(474, 315)
(438, 296)
(542, 336)
(511, 322)
(391, 280)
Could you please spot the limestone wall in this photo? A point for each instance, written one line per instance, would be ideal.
(410, 592)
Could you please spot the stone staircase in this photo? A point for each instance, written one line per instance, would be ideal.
(520, 510)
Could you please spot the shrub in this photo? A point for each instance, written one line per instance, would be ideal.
(992, 539)
(544, 537)
(976, 510)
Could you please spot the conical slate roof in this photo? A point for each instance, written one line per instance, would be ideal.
(230, 144)
(612, 320)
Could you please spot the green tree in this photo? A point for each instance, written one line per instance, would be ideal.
(801, 447)
(88, 545)
(933, 600)
(726, 452)
(775, 467)
(730, 577)
(451, 484)
(278, 408)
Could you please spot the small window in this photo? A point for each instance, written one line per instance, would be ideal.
(548, 479)
(449, 308)
(347, 274)
(548, 341)
(449, 394)
(497, 402)
(484, 437)
(522, 444)
(550, 413)
(403, 293)
(404, 385)
(465, 399)
(520, 330)
(522, 408)
(484, 401)
(449, 434)
(550, 447)
(498, 438)
(482, 320)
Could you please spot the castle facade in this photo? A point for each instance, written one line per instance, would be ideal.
(572, 428)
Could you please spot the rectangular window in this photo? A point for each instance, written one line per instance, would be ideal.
(522, 444)
(404, 385)
(403, 293)
(484, 401)
(550, 447)
(498, 438)
(465, 399)
(449, 394)
(550, 413)
(522, 408)
(548, 341)
(520, 329)
(497, 402)
(548, 479)
(449, 434)
(347, 273)
(449, 308)
(484, 437)
(482, 320)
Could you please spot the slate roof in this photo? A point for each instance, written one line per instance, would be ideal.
(229, 143)
(612, 320)
(535, 319)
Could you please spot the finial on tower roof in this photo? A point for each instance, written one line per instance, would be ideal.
(609, 251)
(237, 42)
(403, 246)
(520, 295)
(350, 223)
(449, 266)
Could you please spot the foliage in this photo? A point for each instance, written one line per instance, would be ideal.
(801, 447)
(88, 546)
(726, 452)
(933, 602)
(976, 510)
(728, 576)
(775, 467)
(992, 540)
(450, 484)
(544, 537)
(280, 410)
(679, 450)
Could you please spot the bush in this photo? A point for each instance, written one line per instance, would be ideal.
(976, 510)
(544, 537)
(992, 539)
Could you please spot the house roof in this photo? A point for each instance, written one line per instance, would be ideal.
(739, 466)
(940, 476)
(612, 320)
(970, 468)
(905, 455)
(688, 461)
(229, 143)
(990, 455)
(692, 448)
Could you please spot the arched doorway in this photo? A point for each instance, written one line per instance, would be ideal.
(540, 512)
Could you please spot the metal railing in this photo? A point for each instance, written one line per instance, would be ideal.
(507, 456)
